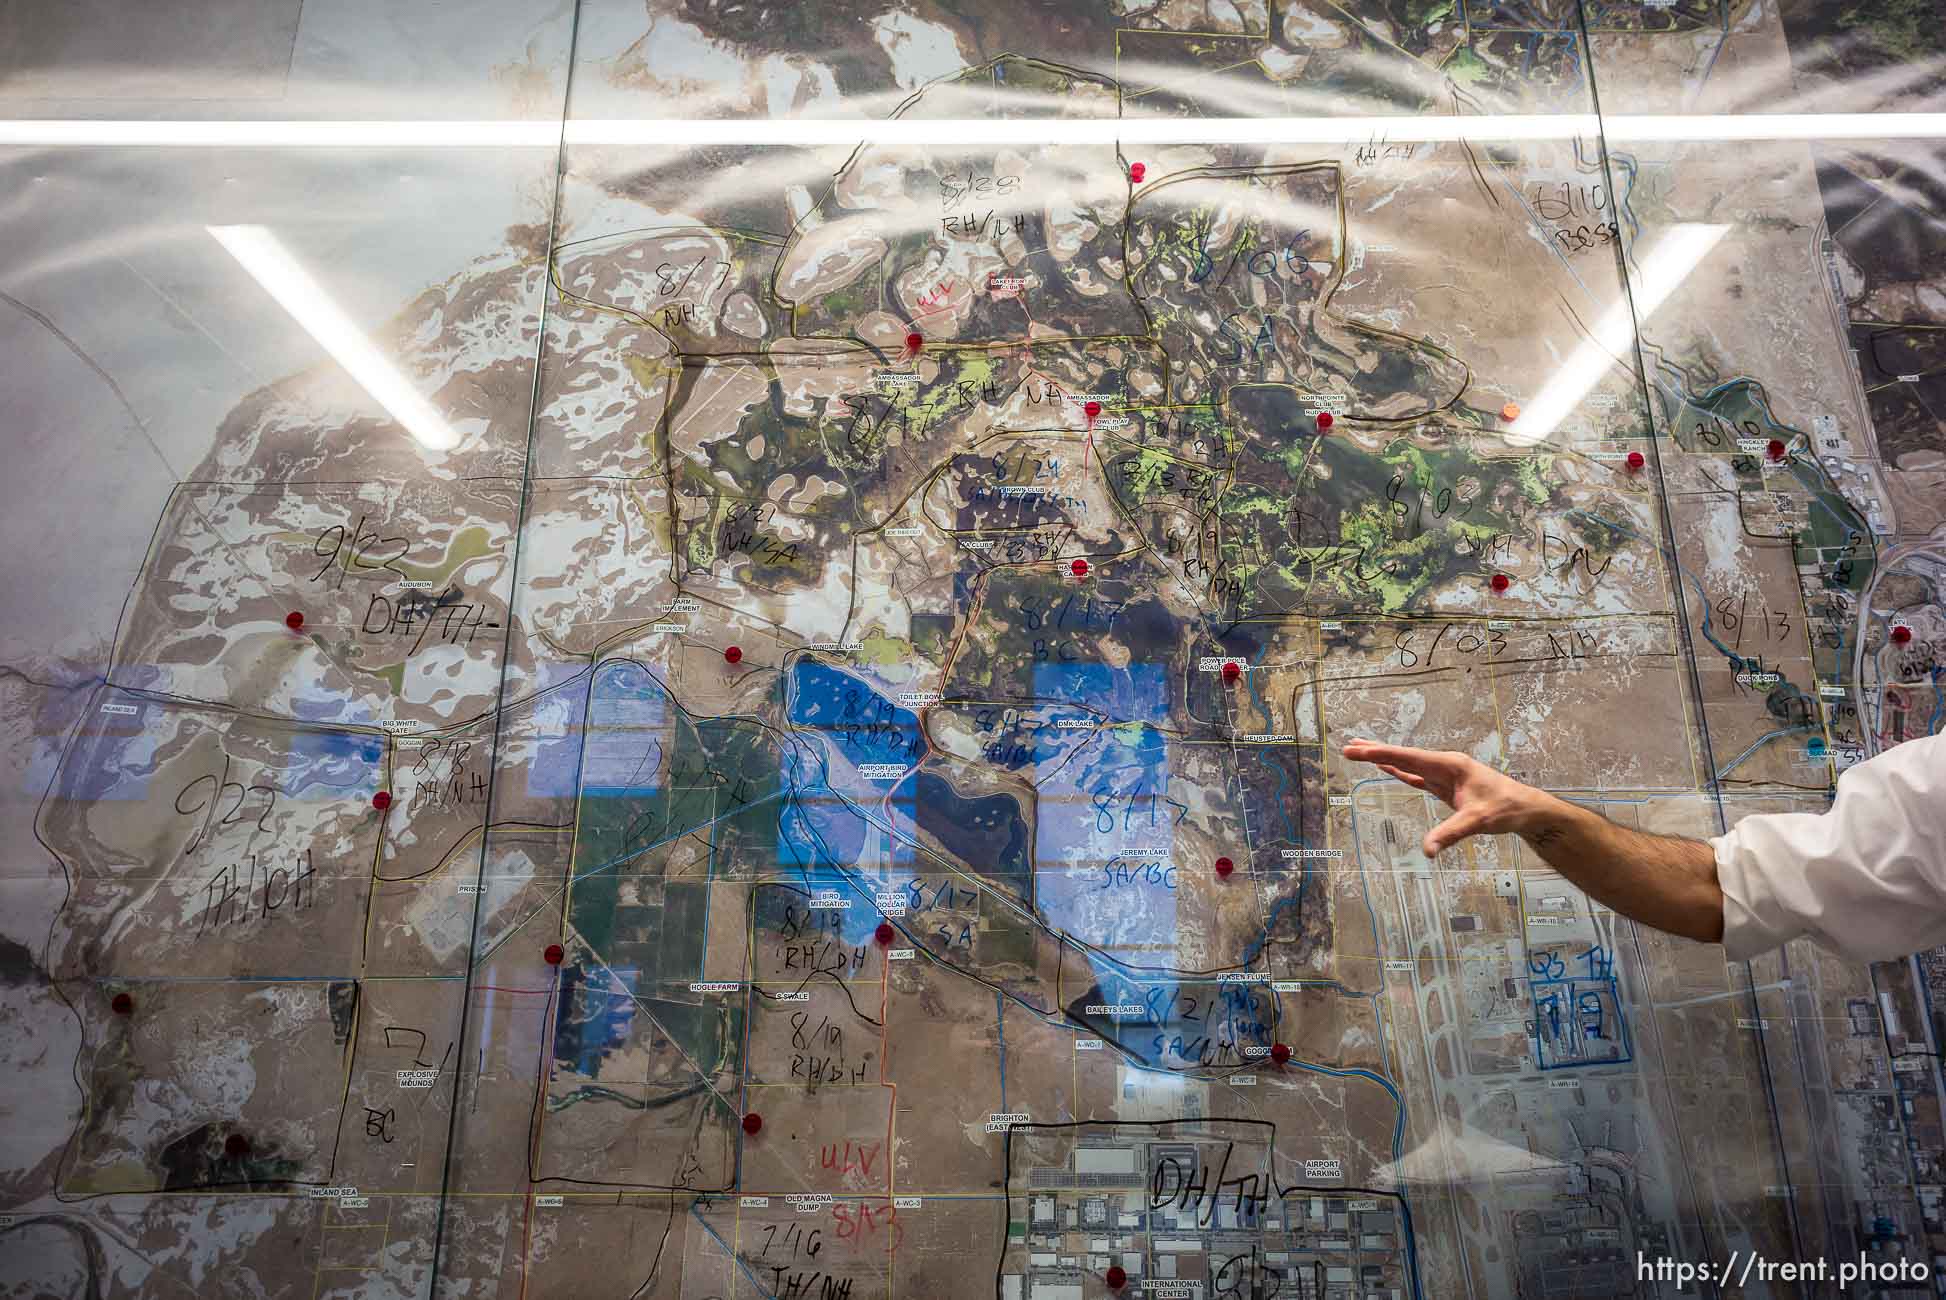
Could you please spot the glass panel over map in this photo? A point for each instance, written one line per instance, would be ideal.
(699, 650)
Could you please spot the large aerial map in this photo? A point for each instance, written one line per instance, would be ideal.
(713, 664)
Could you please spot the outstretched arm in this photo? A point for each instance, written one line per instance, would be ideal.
(1661, 880)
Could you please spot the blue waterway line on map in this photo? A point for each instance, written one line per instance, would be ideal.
(1797, 466)
(1378, 1003)
(1756, 745)
(1708, 631)
(1385, 1053)
(1255, 692)
(1262, 942)
(1398, 1129)
(1283, 784)
(1627, 163)
(1858, 526)
(1136, 974)
(694, 1210)
(1702, 597)
(1722, 10)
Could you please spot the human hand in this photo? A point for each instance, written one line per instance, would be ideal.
(1482, 799)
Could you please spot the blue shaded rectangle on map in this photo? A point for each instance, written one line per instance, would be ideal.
(628, 733)
(1137, 693)
(560, 715)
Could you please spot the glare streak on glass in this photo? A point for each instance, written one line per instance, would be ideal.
(1664, 267)
(264, 256)
(744, 689)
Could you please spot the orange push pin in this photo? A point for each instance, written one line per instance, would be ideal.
(1510, 412)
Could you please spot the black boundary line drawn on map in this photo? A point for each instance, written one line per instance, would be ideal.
(1281, 1191)
(84, 1048)
(1713, 790)
(536, 1113)
(448, 1159)
(1061, 1015)
(95, 1257)
(498, 713)
(62, 755)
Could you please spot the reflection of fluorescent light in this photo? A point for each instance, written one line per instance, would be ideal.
(1664, 267)
(284, 135)
(677, 134)
(310, 306)
(1265, 130)
(1027, 132)
(1775, 126)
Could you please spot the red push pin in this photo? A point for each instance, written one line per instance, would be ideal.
(1091, 410)
(753, 1123)
(733, 654)
(1136, 171)
(1116, 1277)
(236, 1146)
(555, 952)
(885, 934)
(1224, 867)
(294, 620)
(1901, 634)
(1776, 449)
(1079, 568)
(1232, 671)
(122, 1004)
(1636, 460)
(382, 800)
(913, 342)
(1280, 1053)
(1500, 582)
(1324, 422)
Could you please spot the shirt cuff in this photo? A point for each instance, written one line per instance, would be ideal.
(1745, 895)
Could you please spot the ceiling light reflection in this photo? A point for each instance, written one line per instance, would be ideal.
(267, 260)
(1664, 266)
(685, 133)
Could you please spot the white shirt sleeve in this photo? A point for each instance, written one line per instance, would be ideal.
(1867, 878)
